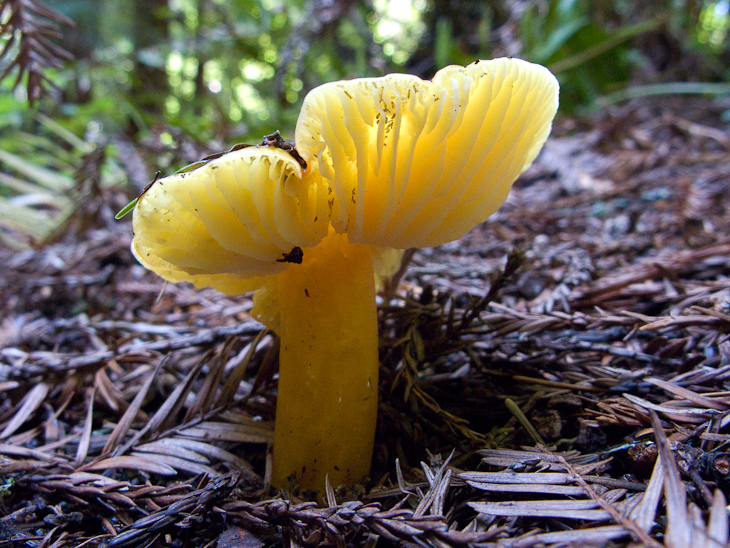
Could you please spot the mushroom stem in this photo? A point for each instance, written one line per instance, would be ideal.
(328, 366)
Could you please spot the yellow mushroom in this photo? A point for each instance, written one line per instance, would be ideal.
(391, 163)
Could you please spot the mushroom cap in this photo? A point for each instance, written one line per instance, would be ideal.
(395, 162)
(414, 163)
(226, 224)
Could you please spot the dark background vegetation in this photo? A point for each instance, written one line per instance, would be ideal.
(152, 85)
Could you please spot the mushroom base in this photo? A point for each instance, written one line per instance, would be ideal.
(328, 367)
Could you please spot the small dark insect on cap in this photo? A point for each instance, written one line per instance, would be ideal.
(294, 256)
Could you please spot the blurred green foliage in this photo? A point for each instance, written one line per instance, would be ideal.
(180, 78)
(229, 70)
(222, 70)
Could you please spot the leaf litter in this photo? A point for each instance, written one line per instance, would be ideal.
(559, 377)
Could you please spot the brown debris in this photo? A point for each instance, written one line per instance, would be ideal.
(133, 413)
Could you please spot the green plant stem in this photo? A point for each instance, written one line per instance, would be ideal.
(621, 35)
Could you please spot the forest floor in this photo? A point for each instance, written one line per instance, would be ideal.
(559, 376)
